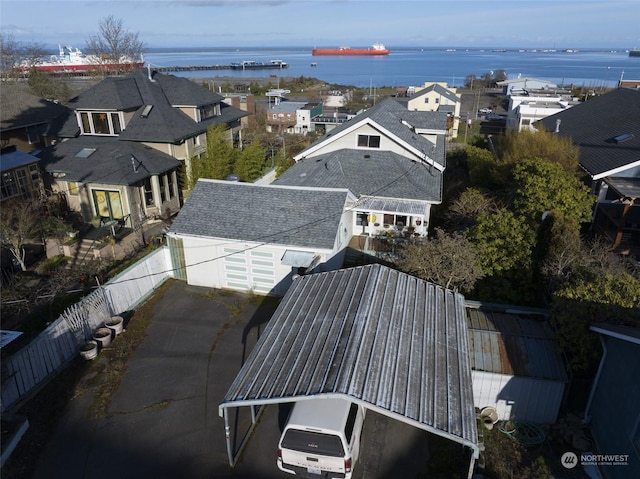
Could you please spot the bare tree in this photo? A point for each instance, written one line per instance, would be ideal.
(9, 54)
(115, 44)
(20, 223)
(446, 260)
(32, 53)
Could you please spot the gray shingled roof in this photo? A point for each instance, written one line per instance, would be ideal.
(383, 173)
(290, 216)
(394, 117)
(440, 90)
(166, 123)
(22, 109)
(110, 163)
(373, 335)
(594, 124)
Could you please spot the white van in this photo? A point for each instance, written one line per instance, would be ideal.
(322, 437)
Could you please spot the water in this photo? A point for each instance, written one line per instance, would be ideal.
(412, 66)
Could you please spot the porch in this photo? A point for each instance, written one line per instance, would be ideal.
(364, 249)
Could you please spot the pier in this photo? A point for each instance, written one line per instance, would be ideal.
(246, 65)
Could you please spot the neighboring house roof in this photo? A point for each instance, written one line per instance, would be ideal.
(110, 163)
(290, 216)
(596, 124)
(523, 80)
(436, 88)
(21, 109)
(165, 123)
(625, 333)
(392, 342)
(11, 158)
(369, 173)
(399, 123)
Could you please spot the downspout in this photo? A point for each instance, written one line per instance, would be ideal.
(227, 434)
(587, 418)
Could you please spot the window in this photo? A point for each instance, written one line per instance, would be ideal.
(171, 185)
(73, 188)
(163, 188)
(8, 185)
(437, 100)
(351, 421)
(115, 121)
(148, 192)
(426, 99)
(369, 141)
(100, 123)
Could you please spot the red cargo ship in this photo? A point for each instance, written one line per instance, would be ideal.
(376, 49)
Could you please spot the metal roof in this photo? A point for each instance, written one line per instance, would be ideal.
(511, 342)
(407, 207)
(387, 340)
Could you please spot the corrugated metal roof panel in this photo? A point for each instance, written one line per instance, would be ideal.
(380, 337)
(514, 343)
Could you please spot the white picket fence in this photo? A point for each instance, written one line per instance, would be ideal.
(57, 345)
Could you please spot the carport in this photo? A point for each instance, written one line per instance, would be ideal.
(394, 343)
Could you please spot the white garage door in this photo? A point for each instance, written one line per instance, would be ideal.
(249, 270)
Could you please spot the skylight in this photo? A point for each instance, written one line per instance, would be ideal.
(623, 137)
(85, 153)
(146, 111)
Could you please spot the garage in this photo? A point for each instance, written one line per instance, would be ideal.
(391, 342)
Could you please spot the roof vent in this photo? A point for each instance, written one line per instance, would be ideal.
(367, 156)
(146, 111)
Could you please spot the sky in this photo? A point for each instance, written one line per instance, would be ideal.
(330, 23)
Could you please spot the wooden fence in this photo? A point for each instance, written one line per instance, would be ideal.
(56, 346)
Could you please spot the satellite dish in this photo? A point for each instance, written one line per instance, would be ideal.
(489, 416)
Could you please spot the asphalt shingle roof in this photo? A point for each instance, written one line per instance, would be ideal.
(370, 172)
(110, 163)
(396, 119)
(165, 123)
(290, 216)
(594, 124)
(21, 109)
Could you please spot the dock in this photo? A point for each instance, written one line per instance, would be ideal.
(245, 65)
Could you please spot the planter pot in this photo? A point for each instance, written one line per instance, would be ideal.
(102, 336)
(115, 324)
(89, 350)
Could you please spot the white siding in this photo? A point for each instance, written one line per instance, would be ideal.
(518, 398)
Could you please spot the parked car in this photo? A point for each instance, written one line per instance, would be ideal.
(485, 111)
(321, 437)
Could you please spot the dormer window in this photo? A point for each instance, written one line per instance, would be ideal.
(209, 111)
(100, 123)
(369, 141)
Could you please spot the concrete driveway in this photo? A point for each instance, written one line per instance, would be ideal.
(163, 420)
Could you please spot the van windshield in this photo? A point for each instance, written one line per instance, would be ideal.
(313, 443)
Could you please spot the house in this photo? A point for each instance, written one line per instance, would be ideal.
(282, 117)
(438, 96)
(252, 237)
(242, 101)
(525, 108)
(521, 84)
(390, 158)
(516, 367)
(21, 176)
(27, 121)
(606, 128)
(126, 142)
(612, 411)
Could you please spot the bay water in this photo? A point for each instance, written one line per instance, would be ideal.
(412, 66)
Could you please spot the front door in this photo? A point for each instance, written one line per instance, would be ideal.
(108, 204)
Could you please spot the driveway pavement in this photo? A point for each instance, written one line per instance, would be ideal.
(163, 421)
